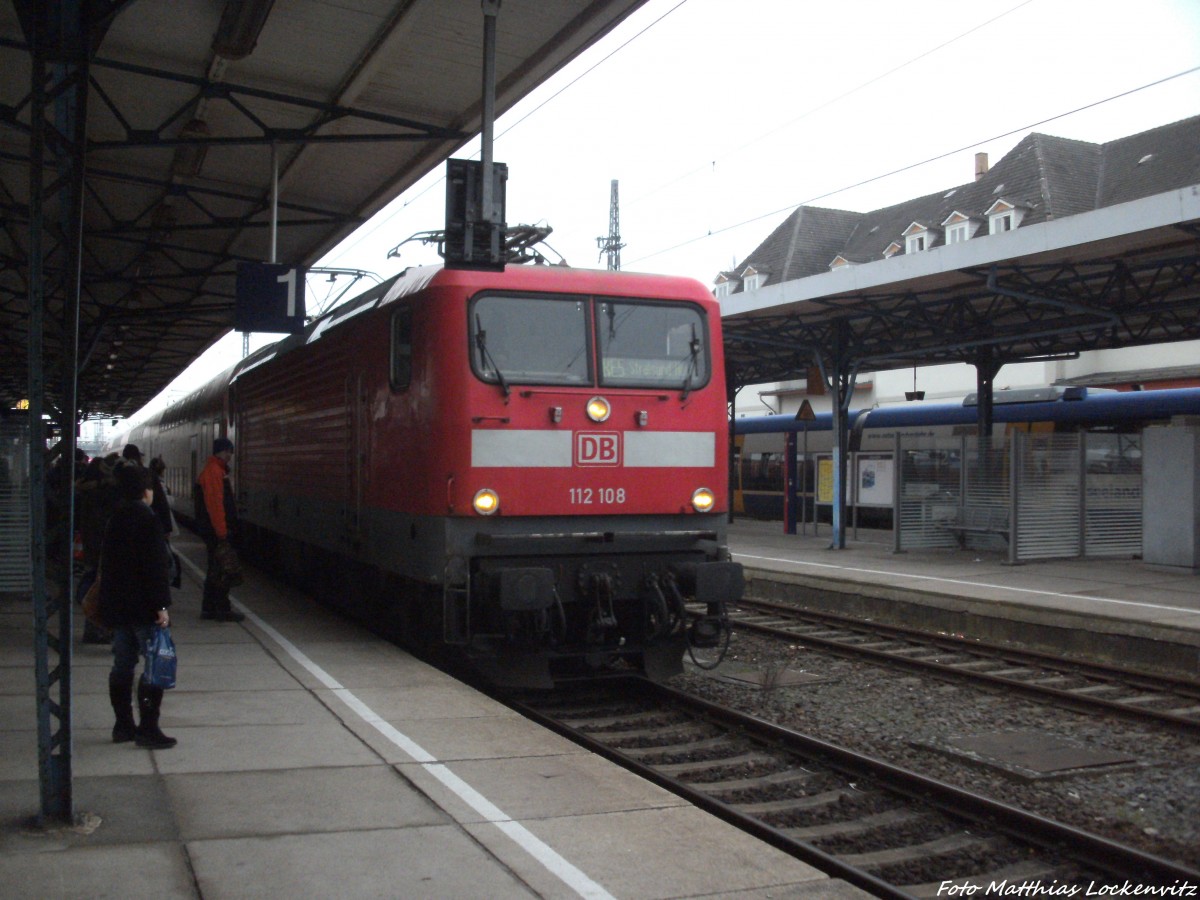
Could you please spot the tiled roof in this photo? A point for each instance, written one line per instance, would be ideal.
(1174, 163)
(805, 243)
(1049, 177)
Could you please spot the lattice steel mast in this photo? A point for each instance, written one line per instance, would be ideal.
(611, 243)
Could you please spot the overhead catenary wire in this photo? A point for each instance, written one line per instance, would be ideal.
(830, 102)
(915, 165)
(417, 196)
(825, 104)
(545, 102)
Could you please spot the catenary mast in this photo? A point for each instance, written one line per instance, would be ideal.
(611, 243)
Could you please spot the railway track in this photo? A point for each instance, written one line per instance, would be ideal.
(1077, 685)
(887, 830)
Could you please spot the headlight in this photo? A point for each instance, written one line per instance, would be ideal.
(598, 409)
(703, 500)
(486, 502)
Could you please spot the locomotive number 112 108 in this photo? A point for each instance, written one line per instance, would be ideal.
(587, 496)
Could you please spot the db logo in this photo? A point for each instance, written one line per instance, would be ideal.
(597, 448)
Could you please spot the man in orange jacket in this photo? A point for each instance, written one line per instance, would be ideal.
(216, 517)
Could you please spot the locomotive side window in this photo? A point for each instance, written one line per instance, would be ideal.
(652, 345)
(401, 373)
(530, 340)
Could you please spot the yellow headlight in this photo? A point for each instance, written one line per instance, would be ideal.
(598, 409)
(486, 502)
(703, 500)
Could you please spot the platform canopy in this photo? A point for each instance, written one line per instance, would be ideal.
(185, 104)
(1122, 276)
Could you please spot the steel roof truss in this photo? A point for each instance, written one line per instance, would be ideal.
(322, 114)
(1019, 309)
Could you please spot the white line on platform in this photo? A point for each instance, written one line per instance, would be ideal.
(522, 836)
(982, 584)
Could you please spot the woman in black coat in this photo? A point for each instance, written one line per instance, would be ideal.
(134, 596)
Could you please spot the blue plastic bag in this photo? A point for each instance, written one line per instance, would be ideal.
(160, 659)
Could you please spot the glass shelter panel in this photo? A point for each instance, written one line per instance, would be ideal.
(1049, 507)
(1113, 495)
(930, 473)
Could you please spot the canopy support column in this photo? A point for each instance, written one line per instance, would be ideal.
(59, 37)
(839, 375)
(986, 369)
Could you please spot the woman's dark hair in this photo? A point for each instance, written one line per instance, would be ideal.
(157, 466)
(132, 481)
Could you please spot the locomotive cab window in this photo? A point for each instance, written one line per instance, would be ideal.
(530, 340)
(652, 345)
(401, 354)
(548, 340)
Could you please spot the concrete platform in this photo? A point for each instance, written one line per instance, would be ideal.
(315, 760)
(1119, 610)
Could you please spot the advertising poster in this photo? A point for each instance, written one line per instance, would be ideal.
(825, 479)
(874, 481)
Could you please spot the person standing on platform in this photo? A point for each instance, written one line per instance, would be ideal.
(131, 454)
(95, 500)
(216, 520)
(134, 597)
(162, 509)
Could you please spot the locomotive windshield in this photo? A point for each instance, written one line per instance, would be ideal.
(545, 340)
(531, 340)
(652, 345)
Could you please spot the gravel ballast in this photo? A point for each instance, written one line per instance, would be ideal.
(1146, 800)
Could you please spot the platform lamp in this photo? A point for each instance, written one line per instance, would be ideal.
(914, 394)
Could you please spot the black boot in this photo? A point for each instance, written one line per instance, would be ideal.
(222, 608)
(148, 735)
(210, 600)
(229, 614)
(120, 694)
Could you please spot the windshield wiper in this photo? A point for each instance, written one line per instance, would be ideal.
(693, 364)
(481, 343)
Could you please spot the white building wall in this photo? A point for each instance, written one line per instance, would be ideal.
(1134, 360)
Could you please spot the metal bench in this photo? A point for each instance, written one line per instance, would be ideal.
(977, 520)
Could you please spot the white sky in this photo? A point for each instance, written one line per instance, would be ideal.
(719, 118)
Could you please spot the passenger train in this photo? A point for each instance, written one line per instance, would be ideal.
(529, 465)
(760, 441)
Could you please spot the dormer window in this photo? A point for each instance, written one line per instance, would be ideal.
(722, 287)
(1003, 216)
(752, 279)
(839, 262)
(916, 238)
(959, 227)
(891, 250)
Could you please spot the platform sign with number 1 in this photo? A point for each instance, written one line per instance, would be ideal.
(269, 298)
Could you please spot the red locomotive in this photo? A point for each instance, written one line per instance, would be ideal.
(530, 464)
